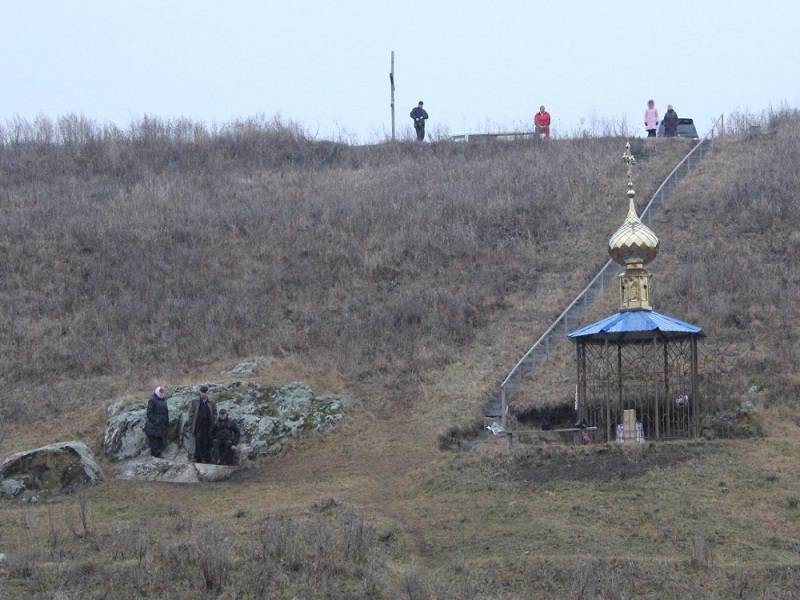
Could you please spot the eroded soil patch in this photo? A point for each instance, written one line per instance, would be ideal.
(602, 463)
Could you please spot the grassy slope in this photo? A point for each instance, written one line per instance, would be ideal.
(717, 518)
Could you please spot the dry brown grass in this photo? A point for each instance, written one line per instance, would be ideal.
(353, 271)
(147, 256)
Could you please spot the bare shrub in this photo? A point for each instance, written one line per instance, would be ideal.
(324, 543)
(277, 538)
(372, 584)
(325, 547)
(583, 581)
(77, 518)
(141, 545)
(215, 555)
(263, 577)
(29, 520)
(460, 587)
(702, 553)
(413, 585)
(121, 543)
(181, 520)
(22, 565)
(358, 537)
(55, 537)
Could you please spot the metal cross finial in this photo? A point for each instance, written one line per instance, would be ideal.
(629, 160)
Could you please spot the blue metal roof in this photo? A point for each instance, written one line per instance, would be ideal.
(635, 325)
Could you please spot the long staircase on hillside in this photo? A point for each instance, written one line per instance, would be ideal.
(496, 410)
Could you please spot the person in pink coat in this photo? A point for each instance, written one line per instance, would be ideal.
(651, 119)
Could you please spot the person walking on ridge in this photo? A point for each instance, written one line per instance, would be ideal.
(651, 119)
(420, 116)
(542, 122)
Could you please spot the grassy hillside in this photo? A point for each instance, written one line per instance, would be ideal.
(137, 258)
(411, 277)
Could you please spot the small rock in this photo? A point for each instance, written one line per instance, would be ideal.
(11, 487)
(754, 389)
(214, 472)
(30, 497)
(748, 407)
(244, 369)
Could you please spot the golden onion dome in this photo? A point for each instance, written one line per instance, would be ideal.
(633, 243)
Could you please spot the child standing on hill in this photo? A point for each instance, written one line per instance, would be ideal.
(651, 118)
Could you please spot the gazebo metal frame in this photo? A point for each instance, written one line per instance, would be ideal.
(654, 373)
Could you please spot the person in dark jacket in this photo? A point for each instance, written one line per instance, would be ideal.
(157, 422)
(670, 122)
(224, 438)
(202, 414)
(419, 115)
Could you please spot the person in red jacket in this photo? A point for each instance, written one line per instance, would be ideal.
(542, 122)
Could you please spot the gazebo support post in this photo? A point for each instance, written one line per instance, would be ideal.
(694, 405)
(619, 382)
(607, 391)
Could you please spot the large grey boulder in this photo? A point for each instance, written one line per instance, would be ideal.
(54, 469)
(267, 416)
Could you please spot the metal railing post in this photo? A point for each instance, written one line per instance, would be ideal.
(503, 407)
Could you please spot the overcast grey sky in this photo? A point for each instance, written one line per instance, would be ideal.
(324, 64)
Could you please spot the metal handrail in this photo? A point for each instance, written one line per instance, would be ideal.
(557, 321)
(709, 137)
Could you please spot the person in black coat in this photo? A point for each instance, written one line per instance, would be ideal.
(202, 414)
(224, 438)
(670, 122)
(157, 421)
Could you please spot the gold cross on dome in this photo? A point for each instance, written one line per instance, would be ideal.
(629, 160)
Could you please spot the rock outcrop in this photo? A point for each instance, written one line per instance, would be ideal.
(54, 469)
(267, 416)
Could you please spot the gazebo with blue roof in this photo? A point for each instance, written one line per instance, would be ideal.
(637, 359)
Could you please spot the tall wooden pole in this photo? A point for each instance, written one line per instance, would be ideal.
(391, 80)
